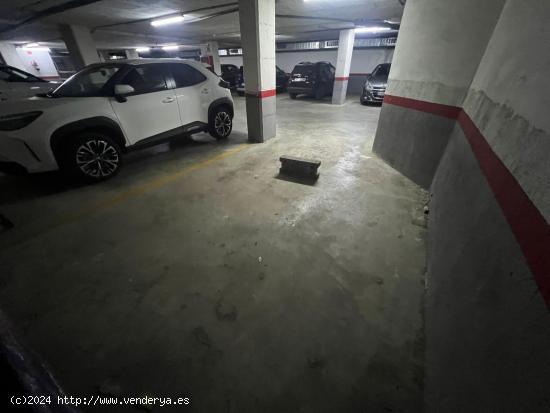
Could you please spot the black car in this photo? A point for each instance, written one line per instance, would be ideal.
(281, 79)
(231, 74)
(375, 86)
(311, 79)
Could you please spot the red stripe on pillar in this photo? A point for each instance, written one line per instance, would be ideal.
(263, 93)
(423, 106)
(341, 78)
(531, 230)
(528, 225)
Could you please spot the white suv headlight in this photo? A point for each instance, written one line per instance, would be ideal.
(18, 121)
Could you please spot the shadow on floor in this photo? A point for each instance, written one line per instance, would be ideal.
(297, 180)
(32, 186)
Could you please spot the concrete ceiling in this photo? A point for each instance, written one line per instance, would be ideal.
(126, 23)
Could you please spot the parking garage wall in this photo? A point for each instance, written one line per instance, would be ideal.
(489, 239)
(362, 63)
(39, 63)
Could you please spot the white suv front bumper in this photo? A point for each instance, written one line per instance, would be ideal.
(14, 151)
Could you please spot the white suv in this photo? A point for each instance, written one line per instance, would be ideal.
(85, 125)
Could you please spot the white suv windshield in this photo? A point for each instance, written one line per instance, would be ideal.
(89, 82)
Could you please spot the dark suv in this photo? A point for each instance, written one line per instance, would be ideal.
(311, 79)
(281, 80)
(231, 74)
(375, 86)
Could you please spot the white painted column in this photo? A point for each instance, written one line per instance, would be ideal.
(11, 57)
(204, 54)
(214, 52)
(131, 54)
(80, 45)
(343, 63)
(257, 21)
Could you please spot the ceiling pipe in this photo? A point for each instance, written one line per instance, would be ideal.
(219, 6)
(221, 13)
(292, 16)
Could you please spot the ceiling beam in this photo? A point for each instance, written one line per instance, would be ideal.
(60, 8)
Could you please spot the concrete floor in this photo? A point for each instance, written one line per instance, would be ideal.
(197, 273)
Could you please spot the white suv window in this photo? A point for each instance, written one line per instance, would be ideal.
(185, 75)
(89, 82)
(146, 79)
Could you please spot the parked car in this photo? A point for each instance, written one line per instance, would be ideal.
(374, 89)
(16, 83)
(312, 79)
(281, 80)
(231, 74)
(85, 126)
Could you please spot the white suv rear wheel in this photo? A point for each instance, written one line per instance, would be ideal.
(221, 123)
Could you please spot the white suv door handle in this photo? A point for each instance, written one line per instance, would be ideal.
(167, 100)
(205, 91)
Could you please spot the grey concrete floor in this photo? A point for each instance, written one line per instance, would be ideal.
(197, 273)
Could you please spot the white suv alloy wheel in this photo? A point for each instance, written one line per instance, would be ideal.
(97, 158)
(222, 123)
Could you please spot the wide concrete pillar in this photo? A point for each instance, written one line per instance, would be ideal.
(343, 64)
(257, 21)
(214, 52)
(80, 45)
(438, 51)
(487, 305)
(131, 54)
(10, 56)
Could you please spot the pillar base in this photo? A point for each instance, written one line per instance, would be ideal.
(260, 118)
(339, 92)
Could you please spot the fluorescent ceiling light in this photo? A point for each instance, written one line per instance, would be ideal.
(372, 29)
(171, 47)
(31, 45)
(142, 49)
(167, 20)
(36, 49)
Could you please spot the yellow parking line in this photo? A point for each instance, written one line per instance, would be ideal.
(132, 192)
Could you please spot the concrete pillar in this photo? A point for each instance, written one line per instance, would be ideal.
(80, 45)
(257, 21)
(440, 45)
(488, 230)
(213, 51)
(103, 55)
(10, 56)
(204, 55)
(131, 54)
(343, 63)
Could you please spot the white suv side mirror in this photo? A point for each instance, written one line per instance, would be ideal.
(121, 90)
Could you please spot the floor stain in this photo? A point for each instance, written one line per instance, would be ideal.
(226, 312)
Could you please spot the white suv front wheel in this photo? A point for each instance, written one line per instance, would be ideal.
(221, 123)
(91, 157)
